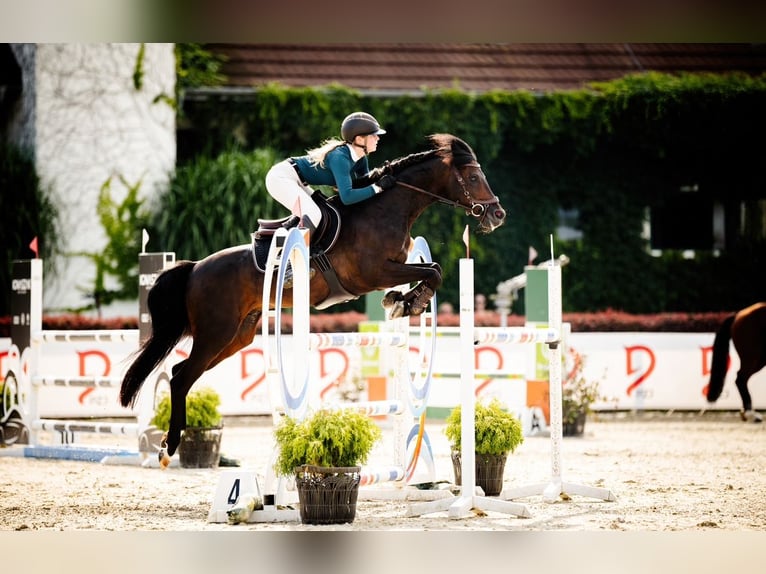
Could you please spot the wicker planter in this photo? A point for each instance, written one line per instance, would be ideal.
(200, 447)
(327, 495)
(489, 471)
(574, 428)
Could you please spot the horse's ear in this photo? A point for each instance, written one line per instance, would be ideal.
(461, 152)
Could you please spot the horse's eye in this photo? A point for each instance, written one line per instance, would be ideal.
(474, 178)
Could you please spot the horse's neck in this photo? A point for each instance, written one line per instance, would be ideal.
(405, 204)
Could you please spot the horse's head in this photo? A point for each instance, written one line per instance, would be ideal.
(469, 187)
(457, 179)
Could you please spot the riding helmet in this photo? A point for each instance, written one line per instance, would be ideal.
(359, 124)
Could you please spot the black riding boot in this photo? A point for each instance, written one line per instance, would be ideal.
(307, 224)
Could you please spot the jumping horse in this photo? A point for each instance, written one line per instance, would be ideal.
(747, 330)
(217, 301)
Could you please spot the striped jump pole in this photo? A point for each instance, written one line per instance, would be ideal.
(26, 378)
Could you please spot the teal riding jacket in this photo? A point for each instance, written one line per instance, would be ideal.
(339, 171)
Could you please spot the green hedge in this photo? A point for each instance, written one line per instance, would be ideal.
(611, 150)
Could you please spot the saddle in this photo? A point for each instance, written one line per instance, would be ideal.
(322, 241)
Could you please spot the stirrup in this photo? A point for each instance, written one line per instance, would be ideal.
(291, 222)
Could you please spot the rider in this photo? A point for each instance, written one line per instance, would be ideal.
(336, 163)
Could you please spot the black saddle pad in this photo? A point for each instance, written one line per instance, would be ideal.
(322, 239)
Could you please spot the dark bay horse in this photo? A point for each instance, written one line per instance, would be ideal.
(747, 330)
(217, 300)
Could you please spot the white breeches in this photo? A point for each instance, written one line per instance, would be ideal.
(284, 185)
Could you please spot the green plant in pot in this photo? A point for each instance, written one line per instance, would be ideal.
(498, 433)
(577, 396)
(325, 451)
(201, 440)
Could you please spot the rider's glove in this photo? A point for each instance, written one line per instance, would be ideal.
(386, 182)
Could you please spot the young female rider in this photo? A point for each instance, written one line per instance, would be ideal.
(335, 162)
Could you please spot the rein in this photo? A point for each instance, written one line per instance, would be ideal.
(477, 207)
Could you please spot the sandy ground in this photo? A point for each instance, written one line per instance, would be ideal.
(667, 472)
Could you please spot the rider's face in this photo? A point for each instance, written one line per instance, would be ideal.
(370, 141)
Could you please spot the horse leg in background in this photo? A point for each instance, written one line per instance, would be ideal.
(747, 413)
(414, 301)
(747, 334)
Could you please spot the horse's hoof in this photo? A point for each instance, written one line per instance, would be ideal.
(164, 459)
(391, 298)
(397, 310)
(751, 416)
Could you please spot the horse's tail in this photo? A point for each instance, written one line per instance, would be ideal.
(167, 307)
(720, 362)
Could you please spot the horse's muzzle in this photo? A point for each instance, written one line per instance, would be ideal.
(493, 218)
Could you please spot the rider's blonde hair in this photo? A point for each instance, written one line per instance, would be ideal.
(318, 154)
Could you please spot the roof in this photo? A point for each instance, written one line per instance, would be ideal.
(473, 67)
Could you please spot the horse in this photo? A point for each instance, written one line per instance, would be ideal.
(217, 301)
(747, 330)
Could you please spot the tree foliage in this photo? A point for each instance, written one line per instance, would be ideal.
(27, 210)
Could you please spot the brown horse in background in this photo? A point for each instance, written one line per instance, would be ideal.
(217, 300)
(747, 330)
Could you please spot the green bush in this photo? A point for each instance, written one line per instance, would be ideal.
(497, 431)
(214, 203)
(27, 211)
(201, 409)
(327, 437)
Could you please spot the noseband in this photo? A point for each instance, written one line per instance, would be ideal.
(477, 207)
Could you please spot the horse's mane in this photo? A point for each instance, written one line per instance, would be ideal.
(446, 146)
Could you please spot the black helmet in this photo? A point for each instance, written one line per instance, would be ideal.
(359, 124)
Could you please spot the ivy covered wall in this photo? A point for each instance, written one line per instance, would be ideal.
(611, 152)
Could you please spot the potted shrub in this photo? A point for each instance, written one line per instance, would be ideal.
(201, 440)
(324, 452)
(498, 433)
(577, 396)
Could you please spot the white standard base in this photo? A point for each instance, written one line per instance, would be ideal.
(555, 491)
(463, 506)
(267, 514)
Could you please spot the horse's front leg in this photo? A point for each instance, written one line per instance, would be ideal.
(428, 277)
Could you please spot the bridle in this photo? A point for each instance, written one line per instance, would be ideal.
(477, 208)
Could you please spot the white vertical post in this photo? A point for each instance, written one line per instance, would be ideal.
(462, 506)
(467, 400)
(35, 344)
(552, 492)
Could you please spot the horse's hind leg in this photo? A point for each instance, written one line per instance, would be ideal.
(184, 376)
